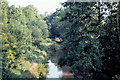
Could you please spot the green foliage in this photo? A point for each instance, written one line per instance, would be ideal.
(42, 70)
(23, 30)
(90, 41)
(53, 22)
(116, 77)
(81, 47)
(110, 42)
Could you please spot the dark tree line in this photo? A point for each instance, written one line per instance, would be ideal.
(91, 38)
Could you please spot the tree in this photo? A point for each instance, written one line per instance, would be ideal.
(110, 42)
(21, 28)
(81, 47)
(91, 41)
(53, 21)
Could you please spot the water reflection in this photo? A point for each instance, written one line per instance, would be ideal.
(53, 71)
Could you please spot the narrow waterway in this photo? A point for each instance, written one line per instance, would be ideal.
(53, 70)
(57, 73)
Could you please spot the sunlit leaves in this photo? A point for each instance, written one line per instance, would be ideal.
(22, 28)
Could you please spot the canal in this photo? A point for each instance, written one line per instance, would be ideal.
(53, 70)
(56, 72)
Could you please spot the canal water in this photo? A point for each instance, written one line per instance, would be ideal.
(57, 73)
(53, 70)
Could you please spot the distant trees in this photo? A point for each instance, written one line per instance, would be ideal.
(53, 21)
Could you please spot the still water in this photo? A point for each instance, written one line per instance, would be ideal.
(53, 70)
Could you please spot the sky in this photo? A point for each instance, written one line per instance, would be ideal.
(42, 5)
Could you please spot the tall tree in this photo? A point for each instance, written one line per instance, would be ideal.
(81, 47)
